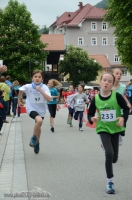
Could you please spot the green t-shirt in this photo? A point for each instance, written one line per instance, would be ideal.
(108, 111)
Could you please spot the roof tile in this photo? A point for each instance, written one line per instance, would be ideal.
(55, 42)
(74, 18)
(101, 59)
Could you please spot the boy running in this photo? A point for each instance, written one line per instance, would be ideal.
(37, 94)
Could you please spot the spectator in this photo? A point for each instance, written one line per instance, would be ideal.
(6, 89)
(3, 68)
(87, 92)
(15, 92)
(2, 109)
(8, 82)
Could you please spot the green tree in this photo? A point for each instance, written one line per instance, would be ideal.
(119, 15)
(102, 4)
(20, 45)
(44, 30)
(79, 67)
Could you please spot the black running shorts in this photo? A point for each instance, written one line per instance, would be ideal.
(71, 111)
(52, 110)
(34, 114)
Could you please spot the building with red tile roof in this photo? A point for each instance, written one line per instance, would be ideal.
(86, 28)
(75, 18)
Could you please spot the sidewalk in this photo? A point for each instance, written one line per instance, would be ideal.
(12, 162)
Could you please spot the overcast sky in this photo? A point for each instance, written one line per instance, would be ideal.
(44, 12)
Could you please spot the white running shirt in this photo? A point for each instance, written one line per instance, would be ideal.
(35, 100)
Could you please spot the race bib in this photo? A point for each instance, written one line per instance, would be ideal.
(108, 115)
(80, 101)
(36, 98)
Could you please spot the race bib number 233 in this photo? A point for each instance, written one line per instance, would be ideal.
(108, 115)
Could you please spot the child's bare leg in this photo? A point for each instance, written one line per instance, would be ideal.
(37, 127)
(52, 121)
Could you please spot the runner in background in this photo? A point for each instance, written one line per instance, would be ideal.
(130, 94)
(120, 88)
(68, 96)
(52, 105)
(92, 94)
(87, 92)
(79, 100)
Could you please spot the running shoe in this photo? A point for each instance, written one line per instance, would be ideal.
(80, 129)
(68, 122)
(52, 129)
(33, 141)
(110, 188)
(71, 124)
(36, 148)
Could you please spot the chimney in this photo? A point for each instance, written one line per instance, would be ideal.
(80, 5)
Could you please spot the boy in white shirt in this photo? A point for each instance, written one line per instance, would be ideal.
(37, 95)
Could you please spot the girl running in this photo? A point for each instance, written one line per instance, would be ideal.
(79, 100)
(52, 105)
(68, 97)
(110, 122)
(120, 88)
(37, 94)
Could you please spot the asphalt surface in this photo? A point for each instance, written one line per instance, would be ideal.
(70, 164)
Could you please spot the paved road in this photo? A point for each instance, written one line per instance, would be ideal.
(70, 164)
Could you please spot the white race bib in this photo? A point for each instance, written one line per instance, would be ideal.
(80, 101)
(36, 97)
(108, 115)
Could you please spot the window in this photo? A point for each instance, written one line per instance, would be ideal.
(116, 58)
(80, 41)
(104, 41)
(104, 26)
(124, 72)
(93, 26)
(94, 41)
(115, 38)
